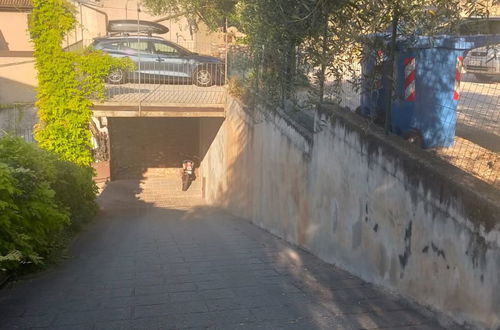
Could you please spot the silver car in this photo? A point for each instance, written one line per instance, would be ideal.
(160, 61)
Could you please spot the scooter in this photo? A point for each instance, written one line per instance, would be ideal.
(187, 174)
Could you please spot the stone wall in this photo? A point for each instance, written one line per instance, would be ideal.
(371, 204)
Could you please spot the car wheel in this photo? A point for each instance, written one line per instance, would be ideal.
(203, 76)
(117, 76)
(483, 78)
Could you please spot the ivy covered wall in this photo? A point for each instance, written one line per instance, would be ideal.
(67, 82)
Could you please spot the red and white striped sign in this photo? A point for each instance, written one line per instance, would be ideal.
(410, 73)
(458, 77)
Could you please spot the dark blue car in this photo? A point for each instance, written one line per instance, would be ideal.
(160, 61)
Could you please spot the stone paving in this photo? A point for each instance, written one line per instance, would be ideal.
(198, 267)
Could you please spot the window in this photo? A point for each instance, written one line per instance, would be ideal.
(164, 49)
(138, 45)
(480, 26)
(134, 46)
(111, 45)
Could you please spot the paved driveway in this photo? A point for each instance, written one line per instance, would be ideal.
(144, 267)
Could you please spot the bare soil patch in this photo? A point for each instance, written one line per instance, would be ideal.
(474, 159)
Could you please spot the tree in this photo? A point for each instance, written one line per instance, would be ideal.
(212, 12)
(330, 34)
(350, 25)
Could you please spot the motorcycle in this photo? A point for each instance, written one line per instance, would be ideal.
(187, 174)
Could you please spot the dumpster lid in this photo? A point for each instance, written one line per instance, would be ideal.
(441, 41)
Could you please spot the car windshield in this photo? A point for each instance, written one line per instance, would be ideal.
(463, 27)
(184, 50)
(474, 26)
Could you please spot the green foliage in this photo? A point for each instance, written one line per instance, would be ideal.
(39, 195)
(324, 35)
(67, 82)
(336, 50)
(212, 13)
(75, 190)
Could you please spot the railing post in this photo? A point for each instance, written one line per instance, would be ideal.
(138, 51)
(225, 55)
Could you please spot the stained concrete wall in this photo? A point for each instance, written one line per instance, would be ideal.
(391, 214)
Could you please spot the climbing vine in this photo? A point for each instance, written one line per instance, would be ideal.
(67, 82)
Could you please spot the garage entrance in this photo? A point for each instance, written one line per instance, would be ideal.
(146, 156)
(145, 147)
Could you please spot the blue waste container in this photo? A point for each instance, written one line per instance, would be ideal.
(427, 88)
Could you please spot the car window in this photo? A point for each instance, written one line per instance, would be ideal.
(479, 27)
(140, 45)
(164, 49)
(135, 46)
(114, 45)
(494, 27)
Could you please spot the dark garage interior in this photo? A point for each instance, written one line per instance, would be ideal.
(145, 145)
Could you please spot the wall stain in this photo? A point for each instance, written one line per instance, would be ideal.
(476, 250)
(474, 199)
(375, 228)
(435, 249)
(439, 252)
(366, 213)
(403, 258)
(356, 235)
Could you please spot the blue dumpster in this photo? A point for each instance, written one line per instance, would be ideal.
(427, 88)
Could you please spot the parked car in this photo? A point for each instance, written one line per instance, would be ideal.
(484, 62)
(476, 26)
(160, 61)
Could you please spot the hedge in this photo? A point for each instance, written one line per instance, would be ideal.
(41, 196)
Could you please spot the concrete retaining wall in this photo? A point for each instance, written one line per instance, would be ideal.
(371, 204)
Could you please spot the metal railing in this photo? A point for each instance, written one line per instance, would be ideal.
(26, 134)
(474, 121)
(476, 147)
(470, 120)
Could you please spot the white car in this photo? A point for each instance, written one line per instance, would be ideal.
(484, 62)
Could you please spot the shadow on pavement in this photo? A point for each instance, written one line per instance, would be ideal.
(144, 267)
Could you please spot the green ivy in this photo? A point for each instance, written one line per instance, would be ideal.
(67, 82)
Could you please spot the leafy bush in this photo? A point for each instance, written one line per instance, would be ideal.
(75, 190)
(39, 197)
